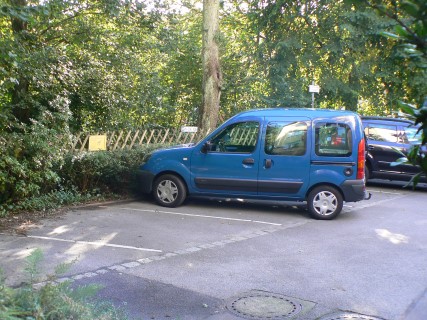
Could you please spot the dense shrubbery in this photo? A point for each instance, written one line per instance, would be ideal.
(53, 200)
(104, 171)
(36, 173)
(27, 159)
(53, 301)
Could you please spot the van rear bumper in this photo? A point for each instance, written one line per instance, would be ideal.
(354, 190)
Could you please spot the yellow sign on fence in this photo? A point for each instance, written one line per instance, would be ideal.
(98, 142)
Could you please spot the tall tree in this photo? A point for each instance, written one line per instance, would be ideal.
(212, 76)
(331, 42)
(19, 90)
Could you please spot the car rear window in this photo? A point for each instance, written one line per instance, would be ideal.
(412, 135)
(381, 132)
(333, 139)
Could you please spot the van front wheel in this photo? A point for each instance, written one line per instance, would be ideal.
(324, 203)
(169, 191)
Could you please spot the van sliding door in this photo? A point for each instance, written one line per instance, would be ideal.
(285, 158)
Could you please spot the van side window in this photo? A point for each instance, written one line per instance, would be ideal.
(382, 132)
(333, 139)
(238, 137)
(286, 138)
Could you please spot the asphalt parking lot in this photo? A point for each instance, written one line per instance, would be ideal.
(235, 260)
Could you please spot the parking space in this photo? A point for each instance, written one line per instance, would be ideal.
(370, 260)
(105, 235)
(108, 234)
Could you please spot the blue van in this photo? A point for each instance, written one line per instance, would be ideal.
(304, 155)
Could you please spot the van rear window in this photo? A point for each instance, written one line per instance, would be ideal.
(333, 139)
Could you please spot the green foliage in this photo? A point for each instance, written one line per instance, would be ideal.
(419, 115)
(51, 201)
(39, 174)
(68, 66)
(331, 43)
(116, 65)
(411, 29)
(417, 154)
(105, 171)
(27, 161)
(410, 36)
(410, 41)
(53, 301)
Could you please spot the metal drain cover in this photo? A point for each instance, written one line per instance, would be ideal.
(264, 305)
(348, 316)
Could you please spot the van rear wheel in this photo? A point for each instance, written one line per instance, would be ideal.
(324, 203)
(169, 191)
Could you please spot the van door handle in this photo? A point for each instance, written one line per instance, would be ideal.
(268, 163)
(371, 147)
(248, 161)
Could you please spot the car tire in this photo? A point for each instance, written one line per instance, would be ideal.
(367, 173)
(169, 191)
(324, 203)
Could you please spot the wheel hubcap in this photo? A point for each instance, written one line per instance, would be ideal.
(167, 191)
(325, 203)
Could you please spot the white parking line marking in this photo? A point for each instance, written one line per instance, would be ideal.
(270, 223)
(121, 267)
(385, 192)
(375, 203)
(95, 243)
(197, 215)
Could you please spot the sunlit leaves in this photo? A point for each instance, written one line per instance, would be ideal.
(132, 63)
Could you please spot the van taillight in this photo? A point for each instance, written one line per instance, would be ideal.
(361, 160)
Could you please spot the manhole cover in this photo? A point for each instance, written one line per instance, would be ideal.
(348, 316)
(264, 306)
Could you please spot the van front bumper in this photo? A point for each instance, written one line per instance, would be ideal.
(354, 190)
(145, 179)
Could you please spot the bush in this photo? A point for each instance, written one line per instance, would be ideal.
(53, 301)
(105, 171)
(54, 199)
(36, 174)
(27, 159)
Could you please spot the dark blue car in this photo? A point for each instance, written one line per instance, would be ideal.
(389, 139)
(303, 155)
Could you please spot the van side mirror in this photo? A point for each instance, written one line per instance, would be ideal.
(207, 146)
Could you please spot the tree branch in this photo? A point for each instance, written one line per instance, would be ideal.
(77, 14)
(419, 41)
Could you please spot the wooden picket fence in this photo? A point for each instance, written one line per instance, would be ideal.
(127, 139)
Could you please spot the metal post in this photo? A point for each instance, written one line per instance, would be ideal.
(312, 97)
(313, 89)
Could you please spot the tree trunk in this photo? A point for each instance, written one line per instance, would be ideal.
(212, 77)
(20, 90)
